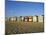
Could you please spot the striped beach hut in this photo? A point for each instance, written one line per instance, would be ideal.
(30, 18)
(26, 19)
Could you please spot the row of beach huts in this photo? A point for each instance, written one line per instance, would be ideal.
(26, 18)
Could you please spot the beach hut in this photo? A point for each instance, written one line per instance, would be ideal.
(18, 19)
(40, 18)
(26, 19)
(13, 19)
(35, 18)
(21, 18)
(7, 19)
(30, 18)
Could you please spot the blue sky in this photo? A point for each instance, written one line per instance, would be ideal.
(19, 8)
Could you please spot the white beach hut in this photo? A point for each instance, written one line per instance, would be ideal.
(12, 18)
(35, 18)
(40, 18)
(21, 18)
(18, 19)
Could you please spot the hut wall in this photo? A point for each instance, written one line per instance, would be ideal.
(40, 18)
(12, 19)
(18, 19)
(30, 19)
(6, 19)
(35, 19)
(21, 18)
(26, 19)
